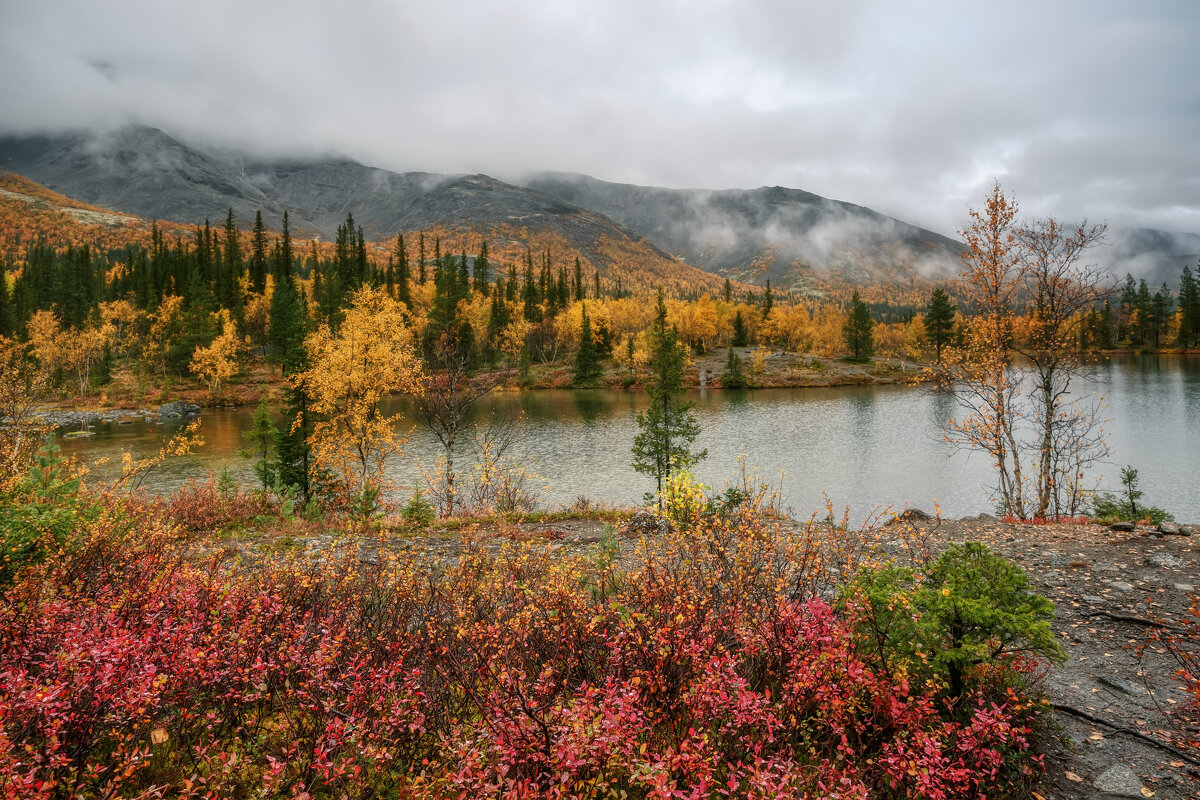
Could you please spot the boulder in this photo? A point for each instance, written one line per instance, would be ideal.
(1169, 528)
(1122, 526)
(643, 523)
(1119, 780)
(178, 408)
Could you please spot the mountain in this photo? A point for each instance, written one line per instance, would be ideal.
(145, 172)
(797, 239)
(687, 239)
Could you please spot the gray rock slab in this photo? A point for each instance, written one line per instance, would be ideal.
(1119, 780)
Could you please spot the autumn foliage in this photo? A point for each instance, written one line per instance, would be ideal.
(702, 664)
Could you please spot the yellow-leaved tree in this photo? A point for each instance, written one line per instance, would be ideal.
(352, 369)
(218, 361)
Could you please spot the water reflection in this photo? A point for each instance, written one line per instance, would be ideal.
(862, 446)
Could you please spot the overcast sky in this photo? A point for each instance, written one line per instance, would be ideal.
(1084, 108)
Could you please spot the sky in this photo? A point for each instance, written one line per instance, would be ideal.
(1079, 108)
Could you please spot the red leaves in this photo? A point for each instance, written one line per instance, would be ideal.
(499, 677)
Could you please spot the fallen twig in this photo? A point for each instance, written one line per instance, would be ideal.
(1126, 731)
(1149, 623)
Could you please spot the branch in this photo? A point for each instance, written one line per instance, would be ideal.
(1149, 623)
(1126, 732)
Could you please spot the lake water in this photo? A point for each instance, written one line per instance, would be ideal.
(862, 447)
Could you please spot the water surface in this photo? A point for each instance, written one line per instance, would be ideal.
(865, 446)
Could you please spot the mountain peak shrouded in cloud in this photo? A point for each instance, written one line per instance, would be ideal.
(1080, 108)
(798, 240)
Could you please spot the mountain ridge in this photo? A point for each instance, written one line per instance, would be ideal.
(798, 240)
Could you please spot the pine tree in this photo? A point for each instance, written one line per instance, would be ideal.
(1189, 309)
(421, 276)
(733, 377)
(768, 301)
(740, 337)
(939, 321)
(727, 291)
(482, 273)
(285, 327)
(262, 438)
(258, 255)
(859, 330)
(666, 429)
(7, 326)
(587, 361)
(578, 285)
(403, 277)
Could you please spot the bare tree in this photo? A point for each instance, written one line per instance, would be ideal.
(1040, 440)
(1061, 291)
(985, 384)
(449, 393)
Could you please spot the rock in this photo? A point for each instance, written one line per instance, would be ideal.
(643, 523)
(178, 408)
(1094, 599)
(911, 516)
(1185, 587)
(1188, 530)
(1168, 528)
(1165, 561)
(1105, 567)
(1122, 526)
(1121, 586)
(1119, 780)
(1120, 684)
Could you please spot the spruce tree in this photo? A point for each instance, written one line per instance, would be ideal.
(768, 301)
(258, 255)
(667, 428)
(578, 284)
(859, 330)
(939, 321)
(740, 337)
(1189, 309)
(285, 327)
(6, 307)
(727, 291)
(403, 276)
(587, 361)
(481, 274)
(733, 377)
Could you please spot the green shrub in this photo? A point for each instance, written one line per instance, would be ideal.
(42, 513)
(970, 608)
(1111, 507)
(417, 511)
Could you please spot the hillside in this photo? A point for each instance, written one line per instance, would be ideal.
(142, 172)
(797, 239)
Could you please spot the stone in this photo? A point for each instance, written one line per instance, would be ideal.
(178, 408)
(1094, 599)
(1122, 526)
(1185, 587)
(1105, 567)
(1168, 528)
(1165, 561)
(1121, 586)
(1189, 530)
(1119, 684)
(1119, 780)
(643, 523)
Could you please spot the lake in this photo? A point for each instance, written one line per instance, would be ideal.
(863, 447)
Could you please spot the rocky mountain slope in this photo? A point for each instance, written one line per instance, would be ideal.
(794, 238)
(798, 240)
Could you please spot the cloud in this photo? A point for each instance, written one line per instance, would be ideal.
(1080, 108)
